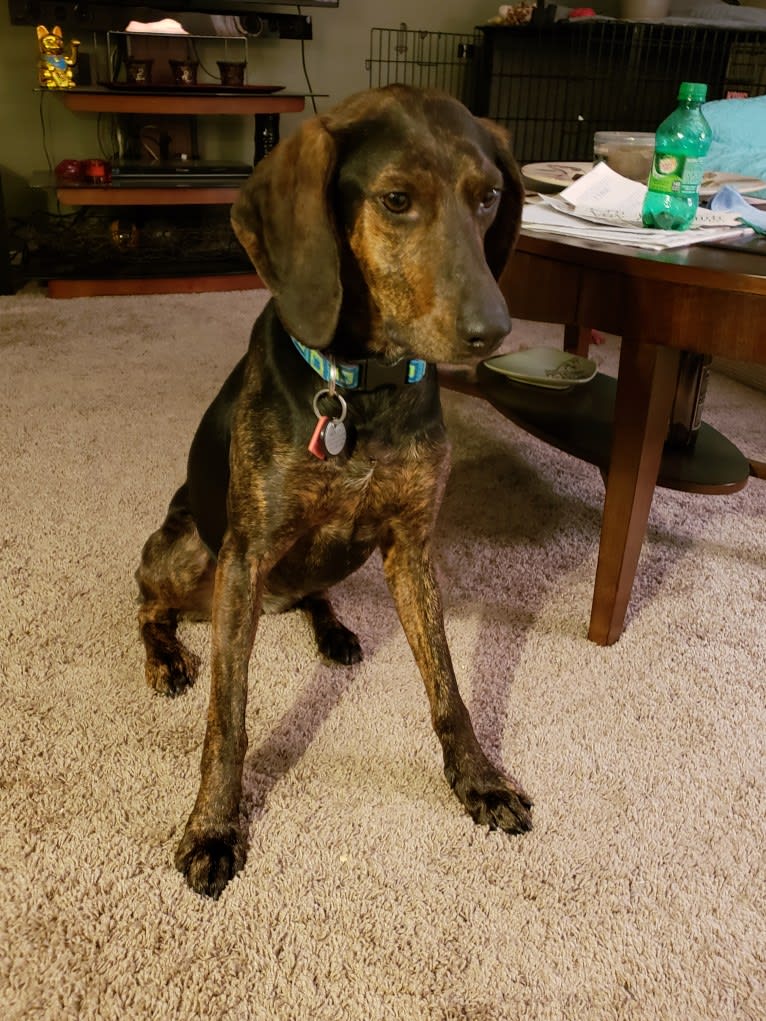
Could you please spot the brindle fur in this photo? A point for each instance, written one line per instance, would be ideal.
(261, 524)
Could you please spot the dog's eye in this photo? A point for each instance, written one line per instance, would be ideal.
(489, 199)
(396, 201)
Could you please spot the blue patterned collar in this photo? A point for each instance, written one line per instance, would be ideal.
(368, 374)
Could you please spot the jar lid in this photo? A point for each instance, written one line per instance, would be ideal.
(624, 137)
(695, 92)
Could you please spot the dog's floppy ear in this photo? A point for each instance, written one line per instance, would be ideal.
(502, 235)
(282, 218)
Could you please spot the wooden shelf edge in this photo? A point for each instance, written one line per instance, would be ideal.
(180, 104)
(153, 285)
(191, 195)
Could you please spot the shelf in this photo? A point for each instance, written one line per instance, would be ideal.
(150, 195)
(579, 422)
(151, 191)
(194, 284)
(88, 100)
(89, 278)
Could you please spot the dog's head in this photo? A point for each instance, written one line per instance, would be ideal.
(389, 221)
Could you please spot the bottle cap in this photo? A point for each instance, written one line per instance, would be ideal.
(695, 92)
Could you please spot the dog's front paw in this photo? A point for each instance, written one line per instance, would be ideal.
(492, 799)
(172, 670)
(338, 643)
(210, 858)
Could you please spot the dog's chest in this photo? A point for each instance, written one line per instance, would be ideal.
(346, 509)
(357, 498)
(334, 527)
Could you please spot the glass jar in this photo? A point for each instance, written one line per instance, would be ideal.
(626, 152)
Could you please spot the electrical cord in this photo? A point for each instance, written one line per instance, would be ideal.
(106, 146)
(44, 133)
(305, 70)
(201, 63)
(43, 130)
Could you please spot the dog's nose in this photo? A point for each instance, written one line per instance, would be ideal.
(484, 329)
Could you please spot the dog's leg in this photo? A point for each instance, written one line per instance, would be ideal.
(334, 640)
(212, 849)
(175, 576)
(490, 797)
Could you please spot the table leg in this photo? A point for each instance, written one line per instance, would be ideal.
(645, 388)
(577, 339)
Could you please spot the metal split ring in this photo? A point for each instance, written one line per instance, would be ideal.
(341, 400)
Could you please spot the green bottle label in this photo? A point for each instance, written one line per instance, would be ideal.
(675, 175)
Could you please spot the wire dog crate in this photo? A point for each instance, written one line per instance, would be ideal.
(555, 85)
(437, 60)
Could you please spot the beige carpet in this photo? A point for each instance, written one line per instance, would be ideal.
(368, 894)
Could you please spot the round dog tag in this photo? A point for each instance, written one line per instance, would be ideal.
(334, 437)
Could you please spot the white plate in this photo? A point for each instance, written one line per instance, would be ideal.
(561, 175)
(549, 367)
(715, 179)
(555, 175)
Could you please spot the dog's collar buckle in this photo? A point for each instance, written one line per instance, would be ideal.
(374, 373)
(368, 374)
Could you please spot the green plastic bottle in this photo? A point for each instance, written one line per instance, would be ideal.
(681, 144)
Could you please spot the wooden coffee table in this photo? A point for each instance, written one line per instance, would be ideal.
(703, 299)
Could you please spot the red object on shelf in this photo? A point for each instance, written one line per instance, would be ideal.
(68, 171)
(96, 171)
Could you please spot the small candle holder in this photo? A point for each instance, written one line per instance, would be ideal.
(68, 172)
(232, 72)
(138, 71)
(184, 72)
(96, 171)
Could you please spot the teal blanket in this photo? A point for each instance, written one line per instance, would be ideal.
(739, 136)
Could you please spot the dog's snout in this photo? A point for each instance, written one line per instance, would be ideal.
(483, 331)
(487, 341)
(483, 320)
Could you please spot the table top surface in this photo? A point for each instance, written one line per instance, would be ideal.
(738, 266)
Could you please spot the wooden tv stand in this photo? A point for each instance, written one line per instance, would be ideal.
(159, 103)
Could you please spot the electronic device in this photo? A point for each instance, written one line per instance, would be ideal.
(197, 169)
(100, 15)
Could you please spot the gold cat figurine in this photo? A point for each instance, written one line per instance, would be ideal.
(55, 68)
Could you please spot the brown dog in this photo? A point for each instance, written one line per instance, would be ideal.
(380, 230)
